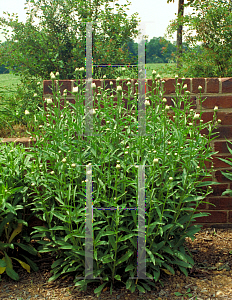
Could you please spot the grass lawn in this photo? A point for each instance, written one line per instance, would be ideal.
(8, 81)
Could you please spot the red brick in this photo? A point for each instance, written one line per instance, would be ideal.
(226, 85)
(221, 164)
(218, 189)
(221, 146)
(221, 132)
(47, 89)
(169, 85)
(223, 203)
(207, 116)
(220, 177)
(212, 85)
(230, 216)
(214, 217)
(226, 118)
(195, 84)
(220, 101)
(65, 84)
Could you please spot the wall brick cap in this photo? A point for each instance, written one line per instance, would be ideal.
(212, 85)
(226, 85)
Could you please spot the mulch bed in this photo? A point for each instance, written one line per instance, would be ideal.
(209, 279)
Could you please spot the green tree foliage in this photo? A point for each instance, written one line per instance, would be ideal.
(210, 50)
(58, 42)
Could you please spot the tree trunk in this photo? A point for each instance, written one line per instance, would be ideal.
(179, 32)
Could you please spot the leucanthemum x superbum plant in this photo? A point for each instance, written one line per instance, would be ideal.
(173, 151)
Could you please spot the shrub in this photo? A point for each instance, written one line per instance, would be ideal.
(112, 160)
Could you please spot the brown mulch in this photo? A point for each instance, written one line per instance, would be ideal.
(211, 277)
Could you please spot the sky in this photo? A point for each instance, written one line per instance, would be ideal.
(157, 14)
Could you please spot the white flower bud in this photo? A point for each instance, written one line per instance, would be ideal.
(216, 108)
(27, 112)
(64, 160)
(75, 89)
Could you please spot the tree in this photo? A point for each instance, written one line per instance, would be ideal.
(179, 38)
(57, 43)
(212, 21)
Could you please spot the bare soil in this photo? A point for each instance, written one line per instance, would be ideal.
(210, 278)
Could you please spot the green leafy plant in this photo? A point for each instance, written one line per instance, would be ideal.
(227, 174)
(186, 295)
(207, 20)
(174, 152)
(14, 162)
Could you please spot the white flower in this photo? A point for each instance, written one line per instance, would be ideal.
(200, 87)
(52, 75)
(183, 78)
(158, 76)
(92, 111)
(59, 151)
(35, 95)
(196, 116)
(73, 165)
(65, 92)
(147, 103)
(126, 152)
(219, 121)
(32, 184)
(57, 74)
(170, 178)
(176, 76)
(164, 100)
(27, 112)
(123, 69)
(75, 89)
(119, 88)
(52, 172)
(104, 76)
(190, 124)
(77, 69)
(215, 108)
(167, 107)
(38, 83)
(81, 69)
(118, 166)
(153, 72)
(49, 101)
(185, 87)
(128, 83)
(93, 85)
(118, 79)
(178, 84)
(64, 160)
(187, 92)
(155, 160)
(40, 166)
(111, 83)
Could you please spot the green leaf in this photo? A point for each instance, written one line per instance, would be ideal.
(178, 294)
(130, 267)
(124, 257)
(12, 274)
(128, 283)
(27, 248)
(151, 256)
(141, 289)
(57, 263)
(31, 263)
(118, 277)
(147, 287)
(54, 277)
(2, 263)
(100, 288)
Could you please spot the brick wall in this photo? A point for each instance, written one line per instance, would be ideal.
(218, 92)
